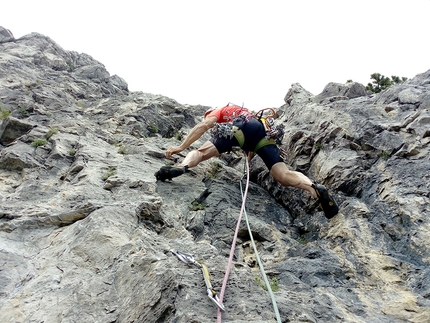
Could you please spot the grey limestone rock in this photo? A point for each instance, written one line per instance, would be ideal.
(5, 35)
(86, 231)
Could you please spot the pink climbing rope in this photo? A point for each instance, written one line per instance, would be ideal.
(233, 245)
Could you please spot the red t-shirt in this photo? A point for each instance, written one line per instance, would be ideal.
(227, 113)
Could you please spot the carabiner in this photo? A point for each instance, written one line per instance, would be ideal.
(214, 298)
(185, 257)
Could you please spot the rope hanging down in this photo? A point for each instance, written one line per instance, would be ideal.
(260, 264)
(233, 246)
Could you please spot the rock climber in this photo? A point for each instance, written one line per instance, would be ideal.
(249, 134)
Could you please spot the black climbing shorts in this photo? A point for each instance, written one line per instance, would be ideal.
(270, 154)
(253, 132)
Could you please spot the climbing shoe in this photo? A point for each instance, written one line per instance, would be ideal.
(168, 172)
(326, 201)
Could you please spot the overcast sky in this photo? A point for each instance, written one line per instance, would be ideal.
(241, 51)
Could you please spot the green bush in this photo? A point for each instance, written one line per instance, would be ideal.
(38, 142)
(196, 206)
(381, 82)
(273, 284)
(302, 240)
(384, 154)
(70, 65)
(153, 128)
(4, 114)
(110, 172)
(23, 111)
(215, 169)
(51, 132)
(319, 145)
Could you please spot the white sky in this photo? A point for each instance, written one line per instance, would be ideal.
(241, 51)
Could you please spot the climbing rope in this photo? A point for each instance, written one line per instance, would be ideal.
(233, 246)
(260, 264)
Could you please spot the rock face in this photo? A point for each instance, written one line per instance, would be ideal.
(5, 35)
(86, 231)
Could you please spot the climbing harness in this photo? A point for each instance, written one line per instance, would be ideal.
(273, 132)
(233, 246)
(232, 128)
(189, 259)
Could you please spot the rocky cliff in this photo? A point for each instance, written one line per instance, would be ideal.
(86, 231)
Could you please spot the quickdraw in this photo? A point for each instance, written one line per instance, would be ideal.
(189, 259)
(225, 129)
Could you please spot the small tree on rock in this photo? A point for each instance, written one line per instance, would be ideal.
(381, 82)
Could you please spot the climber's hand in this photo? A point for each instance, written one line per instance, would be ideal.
(173, 150)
